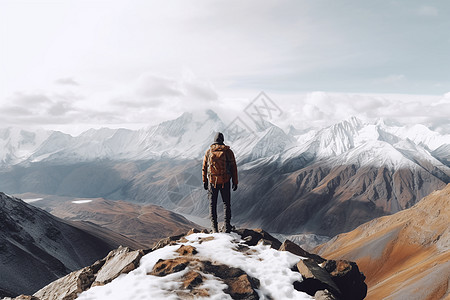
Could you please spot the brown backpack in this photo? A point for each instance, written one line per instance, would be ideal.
(218, 165)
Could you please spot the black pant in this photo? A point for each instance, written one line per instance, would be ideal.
(213, 193)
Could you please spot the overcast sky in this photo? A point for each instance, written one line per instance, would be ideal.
(74, 64)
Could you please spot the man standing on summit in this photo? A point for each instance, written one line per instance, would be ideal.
(219, 166)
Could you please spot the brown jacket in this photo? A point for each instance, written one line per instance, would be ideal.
(231, 173)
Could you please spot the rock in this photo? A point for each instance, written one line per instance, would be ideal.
(297, 250)
(169, 266)
(315, 278)
(67, 287)
(241, 288)
(192, 279)
(167, 241)
(205, 239)
(266, 243)
(348, 278)
(119, 261)
(186, 250)
(253, 236)
(22, 297)
(240, 285)
(192, 231)
(324, 295)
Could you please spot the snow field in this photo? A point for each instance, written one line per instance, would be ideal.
(81, 201)
(271, 267)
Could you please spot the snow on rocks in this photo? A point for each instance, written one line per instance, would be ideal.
(245, 264)
(258, 272)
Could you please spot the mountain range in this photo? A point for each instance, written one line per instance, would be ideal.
(322, 181)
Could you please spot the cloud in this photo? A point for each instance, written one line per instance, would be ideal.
(153, 86)
(320, 109)
(67, 81)
(40, 108)
(59, 108)
(30, 99)
(427, 11)
(161, 95)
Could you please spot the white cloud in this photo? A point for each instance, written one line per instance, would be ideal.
(320, 109)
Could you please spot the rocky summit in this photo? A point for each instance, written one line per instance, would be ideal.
(246, 264)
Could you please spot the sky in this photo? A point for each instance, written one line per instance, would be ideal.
(71, 65)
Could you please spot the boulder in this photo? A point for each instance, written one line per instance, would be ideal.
(67, 287)
(315, 278)
(253, 236)
(348, 278)
(119, 261)
(297, 250)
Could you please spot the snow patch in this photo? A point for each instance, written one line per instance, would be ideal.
(31, 200)
(271, 267)
(81, 201)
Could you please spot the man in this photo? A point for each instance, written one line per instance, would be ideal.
(219, 166)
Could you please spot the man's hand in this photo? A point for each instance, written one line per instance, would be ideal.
(205, 185)
(234, 187)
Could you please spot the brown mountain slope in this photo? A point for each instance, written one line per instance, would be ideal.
(405, 255)
(37, 248)
(144, 224)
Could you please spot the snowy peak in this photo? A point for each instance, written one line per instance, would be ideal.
(265, 144)
(354, 142)
(191, 133)
(17, 145)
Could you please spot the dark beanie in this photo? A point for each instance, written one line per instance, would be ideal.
(218, 138)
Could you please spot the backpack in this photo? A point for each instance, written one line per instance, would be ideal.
(218, 165)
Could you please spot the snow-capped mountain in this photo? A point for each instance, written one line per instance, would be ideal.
(322, 181)
(184, 137)
(189, 135)
(17, 145)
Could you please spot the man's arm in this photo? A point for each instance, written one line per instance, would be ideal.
(205, 167)
(234, 173)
